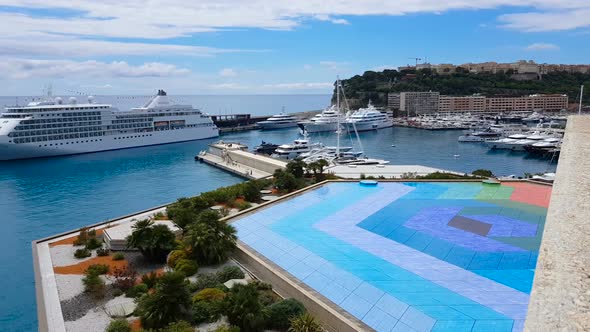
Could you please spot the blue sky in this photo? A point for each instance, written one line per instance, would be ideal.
(265, 46)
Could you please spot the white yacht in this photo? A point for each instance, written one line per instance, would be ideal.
(368, 119)
(519, 145)
(54, 127)
(327, 121)
(481, 136)
(292, 151)
(278, 121)
(503, 143)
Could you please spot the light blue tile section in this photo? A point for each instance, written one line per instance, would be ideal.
(356, 272)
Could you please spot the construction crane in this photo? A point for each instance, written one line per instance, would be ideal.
(417, 59)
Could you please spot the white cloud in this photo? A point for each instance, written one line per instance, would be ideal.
(542, 47)
(228, 72)
(160, 19)
(334, 65)
(307, 67)
(31, 68)
(290, 86)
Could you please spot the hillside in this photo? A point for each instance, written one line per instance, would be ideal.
(375, 85)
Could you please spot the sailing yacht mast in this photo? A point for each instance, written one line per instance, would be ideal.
(581, 95)
(338, 111)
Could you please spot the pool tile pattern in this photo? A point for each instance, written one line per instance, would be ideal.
(410, 256)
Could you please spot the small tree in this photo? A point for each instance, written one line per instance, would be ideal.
(296, 167)
(210, 240)
(285, 180)
(483, 172)
(119, 325)
(251, 192)
(168, 303)
(281, 313)
(153, 241)
(243, 308)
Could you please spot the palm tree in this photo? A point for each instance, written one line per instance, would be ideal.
(209, 239)
(153, 241)
(169, 302)
(305, 323)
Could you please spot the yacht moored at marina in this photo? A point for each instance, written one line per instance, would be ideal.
(292, 151)
(503, 142)
(368, 119)
(278, 121)
(54, 128)
(327, 121)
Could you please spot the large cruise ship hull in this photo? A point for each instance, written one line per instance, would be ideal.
(12, 151)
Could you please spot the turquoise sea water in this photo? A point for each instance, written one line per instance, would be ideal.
(42, 197)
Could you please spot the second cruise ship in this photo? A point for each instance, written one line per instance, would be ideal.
(54, 127)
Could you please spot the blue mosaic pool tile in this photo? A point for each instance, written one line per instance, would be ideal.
(514, 260)
(419, 241)
(485, 261)
(401, 327)
(493, 326)
(286, 261)
(392, 306)
(417, 320)
(442, 312)
(379, 320)
(336, 293)
(317, 281)
(356, 306)
(453, 326)
(460, 256)
(369, 292)
(478, 312)
(301, 270)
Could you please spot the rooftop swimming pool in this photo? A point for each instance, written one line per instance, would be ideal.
(410, 256)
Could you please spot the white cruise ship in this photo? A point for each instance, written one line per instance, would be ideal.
(278, 121)
(368, 119)
(54, 128)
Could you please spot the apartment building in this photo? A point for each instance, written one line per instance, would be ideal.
(414, 103)
(393, 101)
(462, 103)
(553, 102)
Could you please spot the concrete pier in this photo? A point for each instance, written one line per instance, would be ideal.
(234, 158)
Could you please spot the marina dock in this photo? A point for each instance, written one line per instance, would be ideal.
(235, 158)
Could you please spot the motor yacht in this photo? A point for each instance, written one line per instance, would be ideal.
(292, 151)
(367, 119)
(327, 121)
(278, 121)
(503, 142)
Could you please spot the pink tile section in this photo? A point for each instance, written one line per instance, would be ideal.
(529, 193)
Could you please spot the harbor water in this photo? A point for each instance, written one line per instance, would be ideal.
(47, 196)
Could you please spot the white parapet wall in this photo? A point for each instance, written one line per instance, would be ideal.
(560, 298)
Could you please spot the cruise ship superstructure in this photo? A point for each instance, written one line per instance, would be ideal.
(54, 127)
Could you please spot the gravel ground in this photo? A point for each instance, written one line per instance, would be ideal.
(94, 321)
(77, 306)
(212, 326)
(68, 286)
(64, 255)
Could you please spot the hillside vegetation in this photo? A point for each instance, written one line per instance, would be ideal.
(375, 85)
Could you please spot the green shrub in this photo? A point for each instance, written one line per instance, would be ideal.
(117, 292)
(227, 328)
(251, 192)
(241, 206)
(285, 180)
(210, 240)
(82, 253)
(187, 266)
(229, 272)
(200, 312)
(102, 252)
(483, 172)
(82, 237)
(281, 313)
(180, 326)
(159, 216)
(209, 295)
(93, 243)
(174, 256)
(260, 285)
(98, 269)
(268, 297)
(205, 280)
(154, 241)
(92, 233)
(118, 256)
(119, 325)
(150, 279)
(243, 308)
(93, 284)
(305, 323)
(168, 303)
(137, 291)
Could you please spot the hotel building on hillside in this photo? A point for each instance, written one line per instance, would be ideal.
(414, 103)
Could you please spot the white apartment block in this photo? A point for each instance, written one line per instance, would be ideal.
(414, 103)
